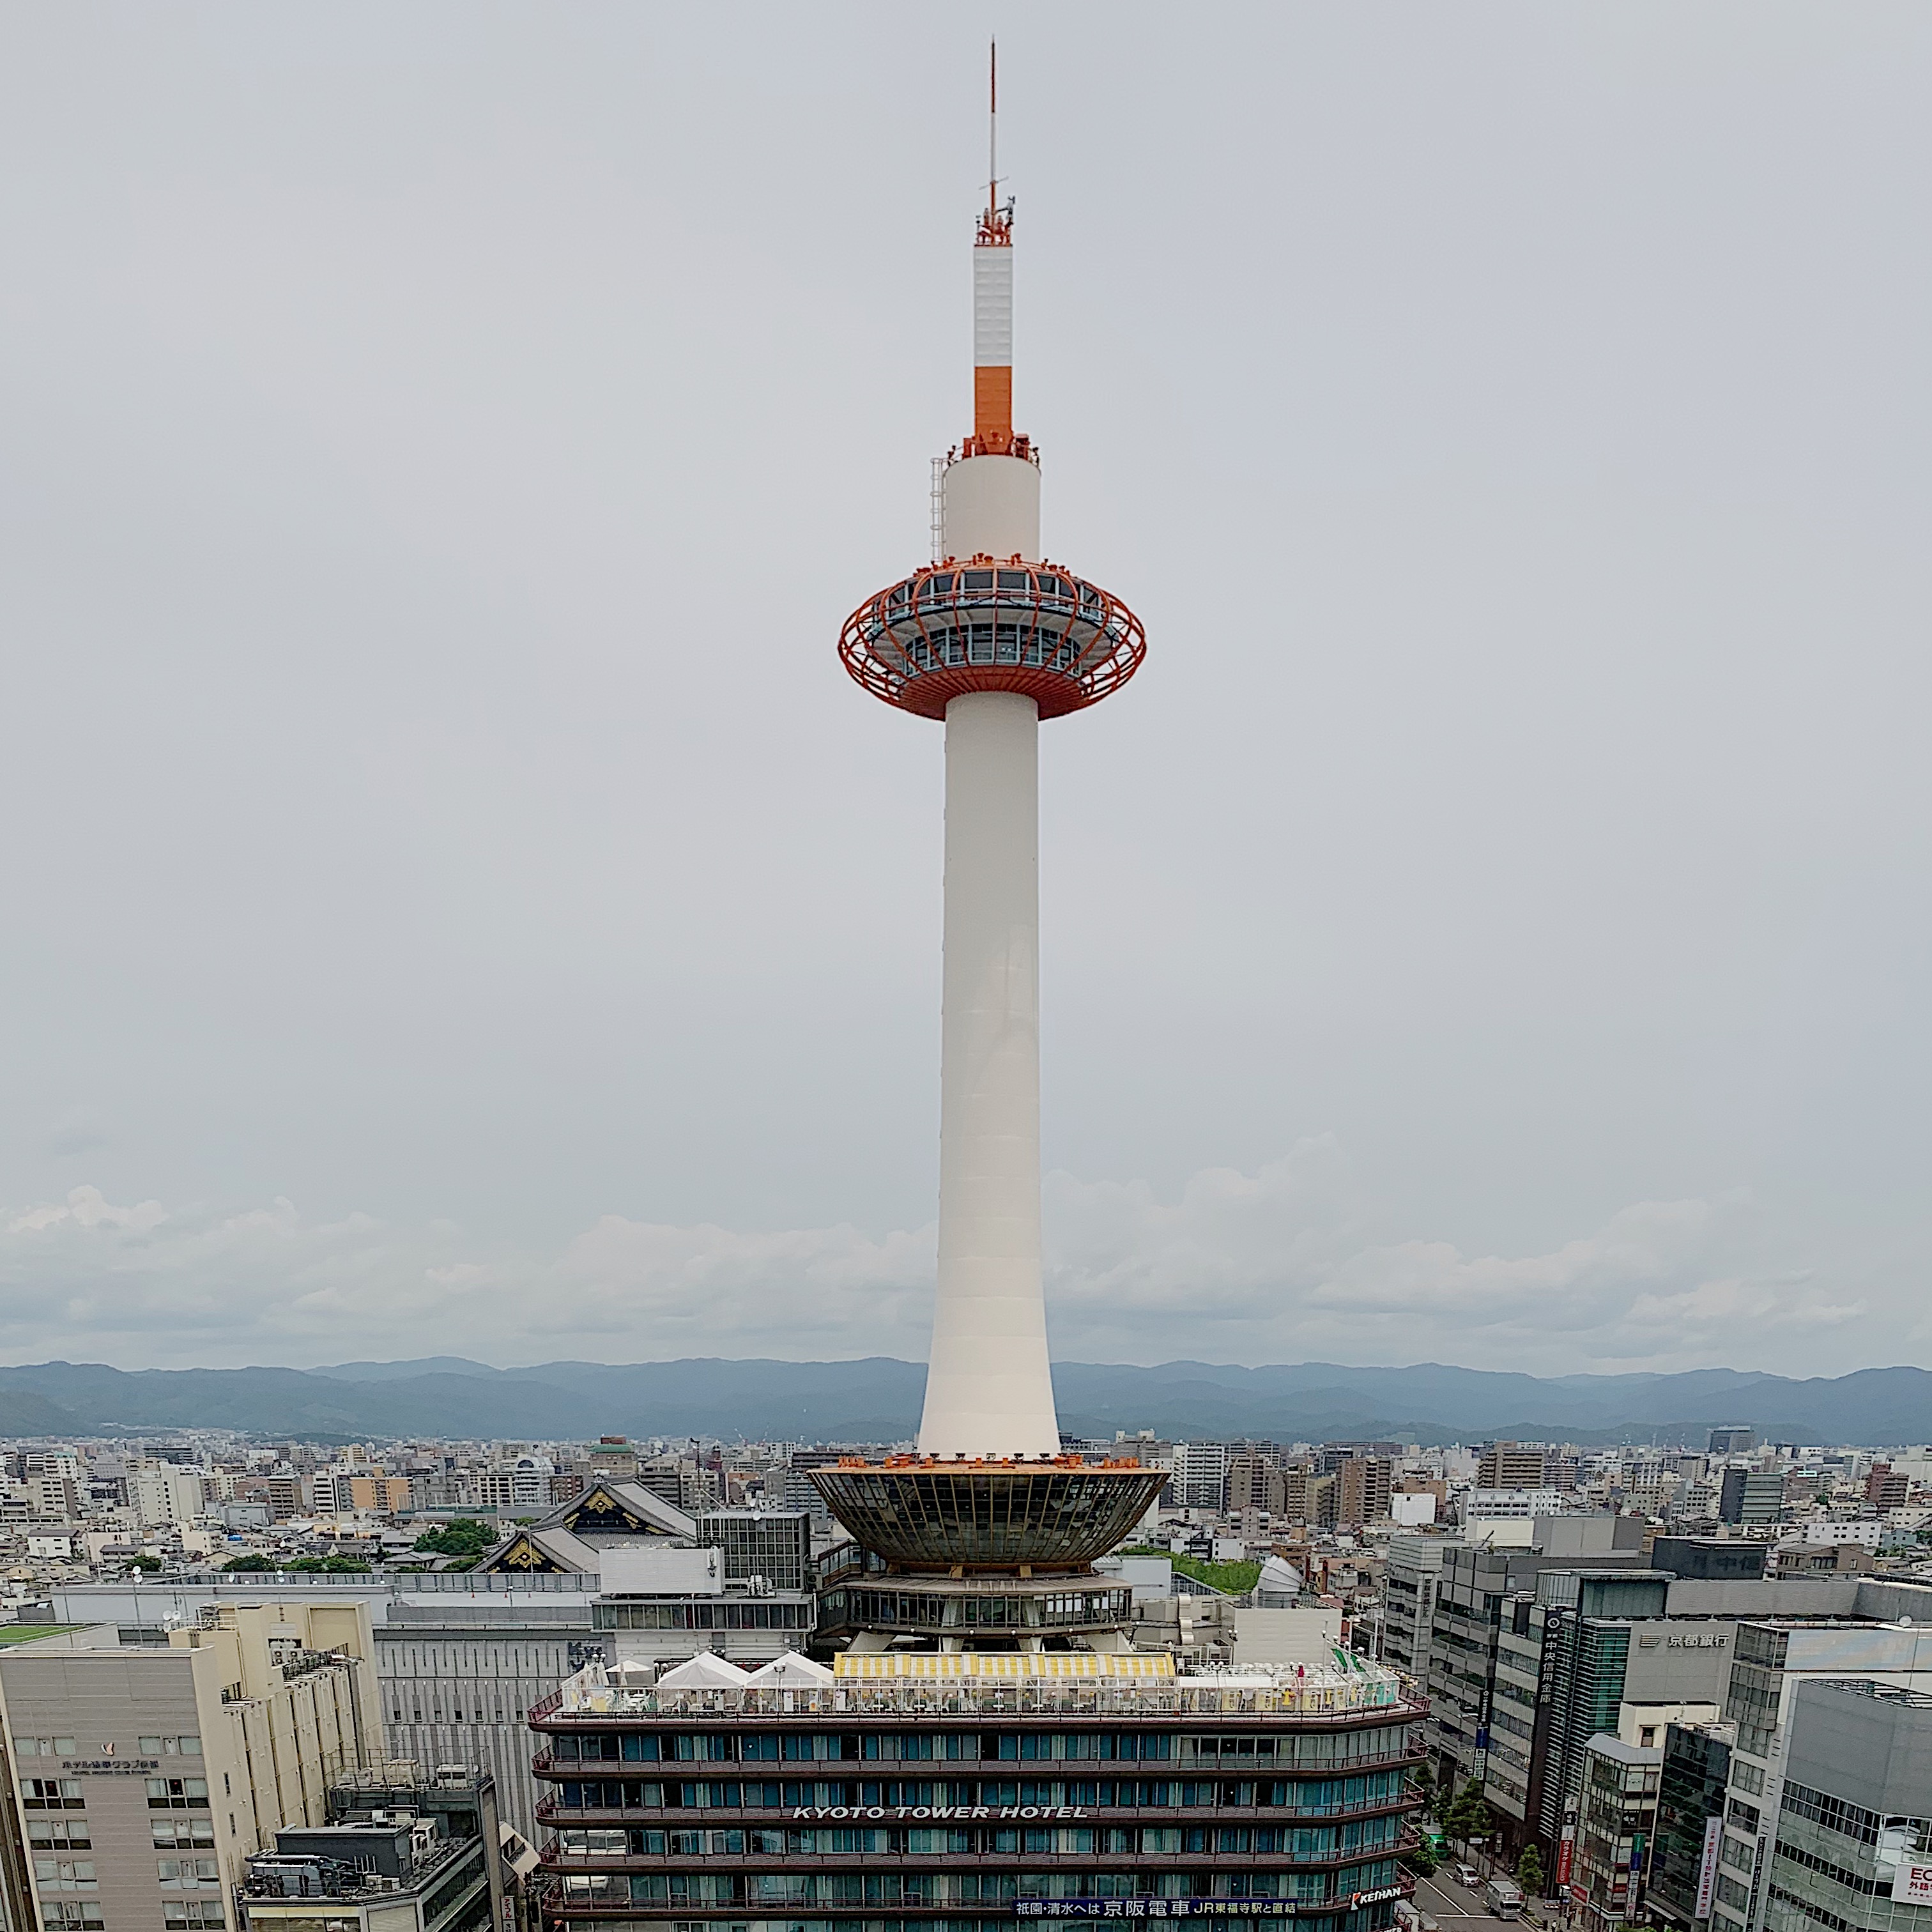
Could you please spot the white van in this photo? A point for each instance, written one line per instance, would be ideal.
(1503, 1897)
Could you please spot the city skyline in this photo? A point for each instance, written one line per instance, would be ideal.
(438, 907)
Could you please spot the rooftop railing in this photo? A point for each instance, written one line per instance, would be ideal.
(1318, 1696)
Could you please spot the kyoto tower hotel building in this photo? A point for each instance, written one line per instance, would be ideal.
(974, 1739)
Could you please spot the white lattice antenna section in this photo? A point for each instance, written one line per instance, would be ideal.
(939, 509)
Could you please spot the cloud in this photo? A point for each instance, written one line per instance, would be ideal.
(1277, 1265)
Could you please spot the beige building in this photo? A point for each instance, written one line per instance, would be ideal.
(139, 1776)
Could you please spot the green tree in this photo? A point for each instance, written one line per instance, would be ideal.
(253, 1560)
(464, 1536)
(148, 1565)
(1529, 1873)
(1422, 1781)
(333, 1566)
(1467, 1817)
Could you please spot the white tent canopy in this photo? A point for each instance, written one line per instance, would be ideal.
(706, 1671)
(791, 1672)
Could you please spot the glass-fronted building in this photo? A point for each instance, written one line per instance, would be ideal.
(958, 1804)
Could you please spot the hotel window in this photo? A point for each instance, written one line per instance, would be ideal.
(181, 1834)
(192, 1914)
(63, 1874)
(51, 1794)
(188, 1874)
(72, 1915)
(171, 1746)
(177, 1794)
(65, 1834)
(44, 1747)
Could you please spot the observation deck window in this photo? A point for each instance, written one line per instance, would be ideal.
(978, 580)
(1013, 580)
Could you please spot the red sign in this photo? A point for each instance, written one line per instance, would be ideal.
(1563, 1860)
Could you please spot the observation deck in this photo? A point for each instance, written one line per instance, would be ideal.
(987, 624)
(1055, 1514)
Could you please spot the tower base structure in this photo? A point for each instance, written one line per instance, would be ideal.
(970, 1556)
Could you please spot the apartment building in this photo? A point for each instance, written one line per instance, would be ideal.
(1200, 1478)
(1516, 1465)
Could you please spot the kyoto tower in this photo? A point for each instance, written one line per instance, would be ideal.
(990, 638)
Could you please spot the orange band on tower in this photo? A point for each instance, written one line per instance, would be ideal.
(993, 410)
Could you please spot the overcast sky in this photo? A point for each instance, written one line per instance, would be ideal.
(455, 902)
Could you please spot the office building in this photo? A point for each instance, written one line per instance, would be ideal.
(1732, 1439)
(1471, 1588)
(1690, 1823)
(1852, 1851)
(1751, 1496)
(1774, 1658)
(1614, 1826)
(1600, 1645)
(402, 1853)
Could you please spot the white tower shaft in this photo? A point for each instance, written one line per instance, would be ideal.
(989, 1389)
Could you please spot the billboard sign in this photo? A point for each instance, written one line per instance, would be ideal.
(1707, 1866)
(1911, 1883)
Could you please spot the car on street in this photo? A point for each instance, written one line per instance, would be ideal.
(1467, 1874)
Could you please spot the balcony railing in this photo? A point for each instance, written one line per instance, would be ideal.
(550, 1811)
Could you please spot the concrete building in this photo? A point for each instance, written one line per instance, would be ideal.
(1774, 1658)
(165, 1493)
(1363, 1487)
(143, 1776)
(460, 1659)
(1595, 1653)
(405, 1852)
(1709, 1559)
(1415, 1570)
(1615, 1826)
(1853, 1846)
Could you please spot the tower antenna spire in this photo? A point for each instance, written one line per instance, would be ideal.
(992, 130)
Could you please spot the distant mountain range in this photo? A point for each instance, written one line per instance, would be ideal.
(877, 1400)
